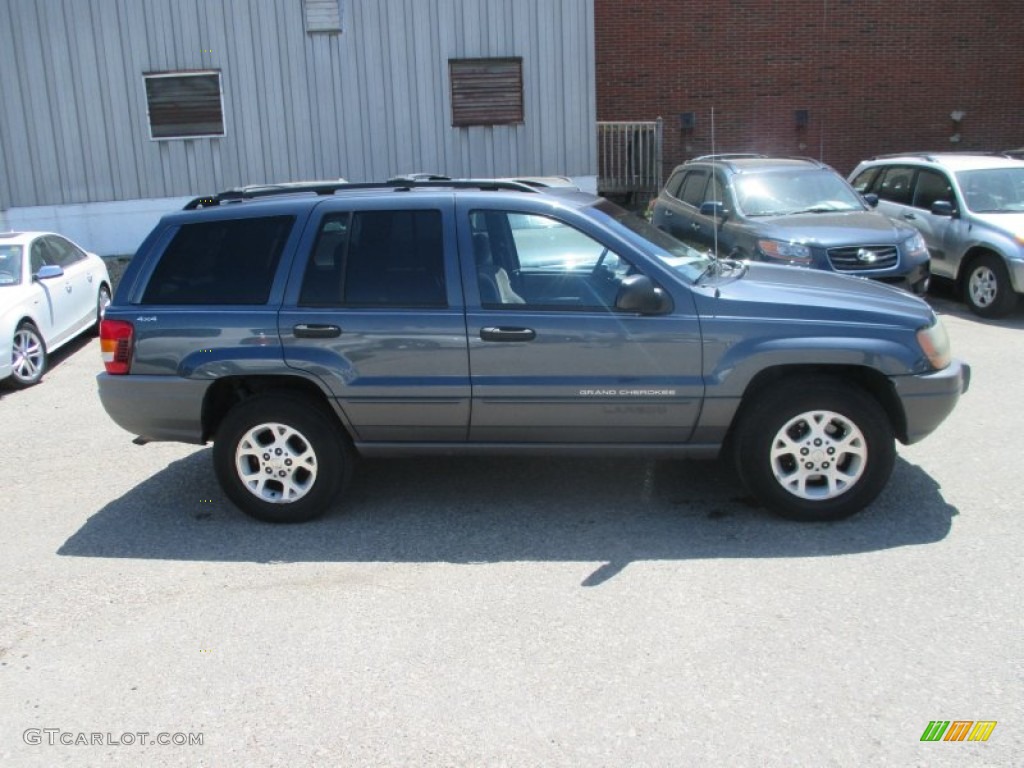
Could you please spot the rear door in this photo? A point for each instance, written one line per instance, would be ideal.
(374, 309)
(551, 359)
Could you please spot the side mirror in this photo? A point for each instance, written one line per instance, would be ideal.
(942, 208)
(48, 272)
(714, 208)
(639, 294)
(871, 199)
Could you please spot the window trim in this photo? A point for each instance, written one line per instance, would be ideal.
(147, 76)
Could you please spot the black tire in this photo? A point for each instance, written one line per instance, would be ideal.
(28, 356)
(293, 440)
(987, 288)
(842, 447)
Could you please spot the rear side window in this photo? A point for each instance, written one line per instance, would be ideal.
(895, 185)
(220, 262)
(377, 259)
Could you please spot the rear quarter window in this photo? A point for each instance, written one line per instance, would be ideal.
(229, 261)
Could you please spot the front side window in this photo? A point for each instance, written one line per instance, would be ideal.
(692, 191)
(230, 261)
(184, 105)
(377, 259)
(526, 260)
(931, 187)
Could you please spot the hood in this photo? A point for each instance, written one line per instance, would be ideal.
(773, 291)
(835, 229)
(1011, 223)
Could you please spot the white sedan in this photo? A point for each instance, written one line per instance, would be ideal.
(50, 291)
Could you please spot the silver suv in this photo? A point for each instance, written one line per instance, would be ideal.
(970, 210)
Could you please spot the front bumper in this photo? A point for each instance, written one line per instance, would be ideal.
(929, 398)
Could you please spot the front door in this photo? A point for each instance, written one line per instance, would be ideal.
(551, 359)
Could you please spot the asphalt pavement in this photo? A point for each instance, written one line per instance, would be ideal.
(507, 612)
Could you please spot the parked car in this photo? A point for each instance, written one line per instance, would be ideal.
(298, 329)
(970, 210)
(792, 211)
(51, 290)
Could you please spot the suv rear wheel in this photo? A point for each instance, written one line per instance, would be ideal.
(280, 458)
(987, 289)
(815, 449)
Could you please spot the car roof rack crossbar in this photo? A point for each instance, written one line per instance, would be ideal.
(398, 183)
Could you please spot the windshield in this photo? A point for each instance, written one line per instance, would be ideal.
(654, 242)
(10, 265)
(995, 190)
(785, 193)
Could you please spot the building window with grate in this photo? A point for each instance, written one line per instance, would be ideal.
(486, 91)
(184, 105)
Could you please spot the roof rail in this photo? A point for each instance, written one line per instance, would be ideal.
(399, 183)
(727, 156)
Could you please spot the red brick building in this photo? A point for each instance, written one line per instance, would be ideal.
(839, 80)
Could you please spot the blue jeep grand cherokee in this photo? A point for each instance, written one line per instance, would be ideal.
(298, 326)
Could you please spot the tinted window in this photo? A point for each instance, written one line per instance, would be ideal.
(693, 187)
(220, 262)
(10, 264)
(377, 259)
(674, 184)
(863, 181)
(895, 185)
(63, 253)
(40, 255)
(932, 186)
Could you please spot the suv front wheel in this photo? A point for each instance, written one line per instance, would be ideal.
(815, 449)
(280, 458)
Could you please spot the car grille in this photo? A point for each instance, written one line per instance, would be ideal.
(857, 258)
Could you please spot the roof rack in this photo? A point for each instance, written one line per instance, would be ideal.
(727, 156)
(934, 156)
(398, 183)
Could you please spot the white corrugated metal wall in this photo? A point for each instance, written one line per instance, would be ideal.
(365, 104)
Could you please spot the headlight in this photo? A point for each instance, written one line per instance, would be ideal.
(787, 253)
(916, 246)
(934, 342)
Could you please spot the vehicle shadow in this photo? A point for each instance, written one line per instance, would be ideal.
(472, 510)
(944, 300)
(55, 359)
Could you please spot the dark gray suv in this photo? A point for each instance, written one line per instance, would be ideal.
(791, 211)
(300, 326)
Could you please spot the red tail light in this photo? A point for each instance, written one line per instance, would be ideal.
(116, 345)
